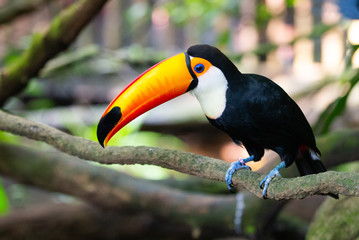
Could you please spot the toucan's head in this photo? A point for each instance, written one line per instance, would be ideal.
(202, 68)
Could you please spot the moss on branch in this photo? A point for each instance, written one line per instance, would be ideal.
(336, 220)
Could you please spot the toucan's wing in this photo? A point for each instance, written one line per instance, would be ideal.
(273, 110)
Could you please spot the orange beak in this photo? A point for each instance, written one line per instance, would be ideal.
(161, 83)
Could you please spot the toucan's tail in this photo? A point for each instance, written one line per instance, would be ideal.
(308, 162)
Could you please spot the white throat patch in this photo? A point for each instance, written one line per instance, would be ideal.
(211, 92)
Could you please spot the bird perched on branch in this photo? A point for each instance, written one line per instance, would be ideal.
(251, 109)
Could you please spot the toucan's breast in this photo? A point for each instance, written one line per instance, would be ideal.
(211, 92)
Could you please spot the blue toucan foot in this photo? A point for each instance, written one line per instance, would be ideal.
(272, 174)
(240, 164)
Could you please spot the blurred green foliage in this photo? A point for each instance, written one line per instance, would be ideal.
(204, 15)
(65, 63)
(35, 92)
(4, 204)
(11, 55)
(137, 13)
(131, 135)
(263, 15)
(205, 11)
(347, 81)
(290, 3)
(8, 138)
(337, 107)
(137, 55)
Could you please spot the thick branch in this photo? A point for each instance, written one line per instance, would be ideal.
(335, 182)
(62, 32)
(80, 221)
(336, 220)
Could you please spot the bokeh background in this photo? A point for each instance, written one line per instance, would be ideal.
(308, 47)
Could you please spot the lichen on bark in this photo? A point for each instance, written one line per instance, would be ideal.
(336, 219)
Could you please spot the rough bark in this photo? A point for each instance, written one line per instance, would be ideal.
(280, 188)
(62, 32)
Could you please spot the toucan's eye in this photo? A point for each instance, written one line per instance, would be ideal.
(199, 68)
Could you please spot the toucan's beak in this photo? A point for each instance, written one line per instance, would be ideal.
(161, 83)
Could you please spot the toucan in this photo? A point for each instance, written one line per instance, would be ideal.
(253, 110)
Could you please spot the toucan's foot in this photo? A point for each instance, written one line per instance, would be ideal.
(272, 174)
(265, 182)
(240, 164)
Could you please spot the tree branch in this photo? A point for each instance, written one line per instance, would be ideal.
(210, 168)
(62, 32)
(336, 220)
(80, 221)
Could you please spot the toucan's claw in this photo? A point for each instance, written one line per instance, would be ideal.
(265, 182)
(272, 174)
(240, 164)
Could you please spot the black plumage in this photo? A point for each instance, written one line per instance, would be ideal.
(260, 115)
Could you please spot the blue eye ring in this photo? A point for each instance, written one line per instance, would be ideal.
(199, 68)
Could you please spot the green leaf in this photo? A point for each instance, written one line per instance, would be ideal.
(224, 37)
(263, 15)
(290, 3)
(334, 109)
(9, 138)
(4, 204)
(327, 117)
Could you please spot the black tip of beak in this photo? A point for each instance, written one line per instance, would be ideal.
(194, 82)
(107, 123)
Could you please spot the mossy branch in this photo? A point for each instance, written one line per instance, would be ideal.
(62, 32)
(336, 219)
(210, 168)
